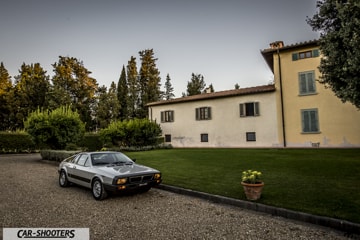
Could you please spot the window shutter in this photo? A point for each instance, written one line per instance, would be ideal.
(197, 113)
(314, 121)
(256, 109)
(209, 112)
(295, 56)
(305, 119)
(242, 110)
(315, 53)
(310, 81)
(162, 116)
(171, 116)
(302, 83)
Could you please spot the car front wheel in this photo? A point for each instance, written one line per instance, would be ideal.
(98, 190)
(63, 180)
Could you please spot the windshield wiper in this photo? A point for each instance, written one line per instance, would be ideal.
(123, 162)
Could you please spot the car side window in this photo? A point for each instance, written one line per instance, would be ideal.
(87, 162)
(74, 160)
(82, 160)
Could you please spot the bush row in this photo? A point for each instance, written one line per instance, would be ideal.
(16, 142)
(56, 155)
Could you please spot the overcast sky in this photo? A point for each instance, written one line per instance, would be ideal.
(219, 39)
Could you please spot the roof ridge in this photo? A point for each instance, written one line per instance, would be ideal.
(219, 94)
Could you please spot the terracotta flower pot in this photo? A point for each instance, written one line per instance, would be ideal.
(252, 191)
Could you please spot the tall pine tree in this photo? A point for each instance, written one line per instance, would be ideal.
(133, 88)
(169, 90)
(149, 81)
(122, 95)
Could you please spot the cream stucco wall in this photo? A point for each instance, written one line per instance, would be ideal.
(226, 128)
(338, 122)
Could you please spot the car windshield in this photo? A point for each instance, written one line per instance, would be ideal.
(110, 158)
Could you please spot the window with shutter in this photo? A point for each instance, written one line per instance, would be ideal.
(307, 83)
(203, 113)
(167, 116)
(249, 109)
(310, 121)
(316, 52)
(295, 56)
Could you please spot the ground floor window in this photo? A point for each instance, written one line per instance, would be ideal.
(167, 137)
(310, 121)
(251, 136)
(204, 137)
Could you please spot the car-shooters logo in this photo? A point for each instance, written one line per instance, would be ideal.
(46, 233)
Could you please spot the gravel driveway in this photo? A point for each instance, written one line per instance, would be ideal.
(31, 197)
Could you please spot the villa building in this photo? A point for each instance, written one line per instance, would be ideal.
(295, 111)
(235, 118)
(309, 114)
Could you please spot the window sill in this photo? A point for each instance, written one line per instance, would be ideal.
(311, 132)
(307, 94)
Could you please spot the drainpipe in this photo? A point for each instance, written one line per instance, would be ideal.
(281, 97)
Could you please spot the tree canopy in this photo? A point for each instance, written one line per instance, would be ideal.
(338, 22)
(196, 85)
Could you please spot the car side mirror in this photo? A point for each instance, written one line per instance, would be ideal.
(134, 160)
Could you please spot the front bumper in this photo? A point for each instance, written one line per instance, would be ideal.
(131, 186)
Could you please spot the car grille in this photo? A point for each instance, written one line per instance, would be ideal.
(140, 179)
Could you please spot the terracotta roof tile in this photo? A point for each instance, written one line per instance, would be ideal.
(221, 94)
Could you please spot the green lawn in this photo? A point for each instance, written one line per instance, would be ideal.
(318, 181)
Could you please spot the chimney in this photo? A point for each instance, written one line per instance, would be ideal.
(277, 44)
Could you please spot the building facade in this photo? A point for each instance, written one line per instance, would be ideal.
(235, 118)
(310, 115)
(296, 111)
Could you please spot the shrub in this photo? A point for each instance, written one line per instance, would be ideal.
(55, 128)
(91, 142)
(135, 133)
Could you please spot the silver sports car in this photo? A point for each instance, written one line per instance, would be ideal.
(105, 172)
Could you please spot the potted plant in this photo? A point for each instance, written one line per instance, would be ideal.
(252, 184)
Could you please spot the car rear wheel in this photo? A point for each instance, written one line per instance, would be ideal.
(98, 190)
(63, 180)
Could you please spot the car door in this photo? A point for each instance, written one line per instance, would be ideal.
(81, 171)
(70, 168)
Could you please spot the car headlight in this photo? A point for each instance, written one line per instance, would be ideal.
(121, 181)
(157, 176)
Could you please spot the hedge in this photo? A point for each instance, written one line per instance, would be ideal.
(16, 142)
(56, 155)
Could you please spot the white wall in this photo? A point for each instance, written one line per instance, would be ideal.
(226, 128)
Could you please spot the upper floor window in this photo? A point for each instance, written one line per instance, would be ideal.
(203, 113)
(310, 121)
(307, 83)
(249, 109)
(167, 116)
(305, 54)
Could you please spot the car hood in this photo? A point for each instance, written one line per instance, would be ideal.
(133, 169)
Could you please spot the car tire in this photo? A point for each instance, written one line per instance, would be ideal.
(63, 180)
(98, 190)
